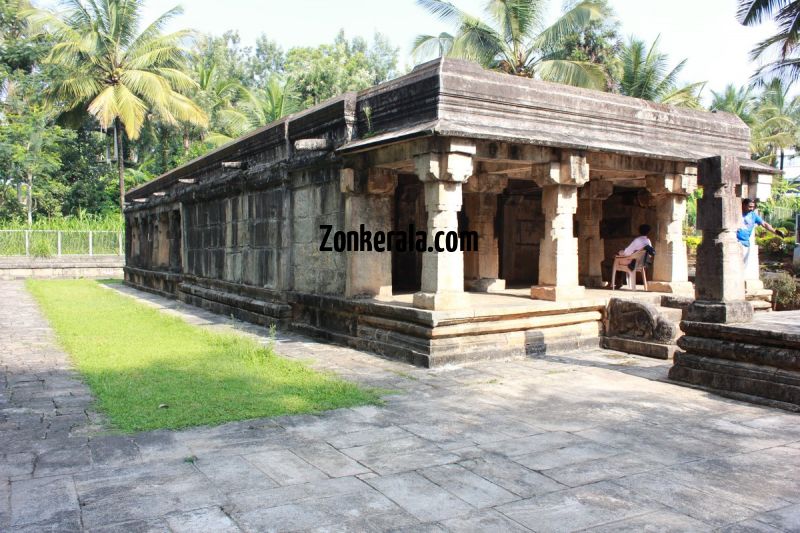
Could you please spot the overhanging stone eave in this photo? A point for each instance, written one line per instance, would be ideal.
(749, 164)
(426, 129)
(515, 136)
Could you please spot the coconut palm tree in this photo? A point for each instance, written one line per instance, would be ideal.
(741, 102)
(512, 39)
(646, 75)
(783, 44)
(118, 74)
(256, 108)
(776, 123)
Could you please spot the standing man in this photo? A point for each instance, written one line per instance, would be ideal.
(750, 220)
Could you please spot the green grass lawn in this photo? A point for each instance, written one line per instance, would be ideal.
(135, 359)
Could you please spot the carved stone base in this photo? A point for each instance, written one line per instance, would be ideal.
(683, 288)
(440, 300)
(751, 285)
(487, 285)
(720, 312)
(557, 294)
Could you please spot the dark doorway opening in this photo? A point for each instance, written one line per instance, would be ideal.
(409, 211)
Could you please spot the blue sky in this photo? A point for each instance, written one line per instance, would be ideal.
(704, 31)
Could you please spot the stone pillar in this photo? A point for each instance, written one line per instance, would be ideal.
(558, 251)
(482, 267)
(443, 173)
(591, 248)
(368, 199)
(670, 267)
(719, 283)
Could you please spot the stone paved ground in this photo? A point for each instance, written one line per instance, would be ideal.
(588, 441)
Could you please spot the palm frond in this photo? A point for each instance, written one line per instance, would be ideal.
(573, 20)
(575, 73)
(427, 47)
(445, 11)
(752, 12)
(686, 96)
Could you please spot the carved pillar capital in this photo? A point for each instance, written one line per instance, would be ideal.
(571, 169)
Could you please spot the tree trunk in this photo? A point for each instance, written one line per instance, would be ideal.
(29, 203)
(781, 158)
(120, 165)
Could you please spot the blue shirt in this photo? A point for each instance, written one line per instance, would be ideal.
(749, 221)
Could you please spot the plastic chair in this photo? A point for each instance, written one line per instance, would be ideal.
(622, 264)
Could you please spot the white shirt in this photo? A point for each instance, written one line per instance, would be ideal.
(637, 244)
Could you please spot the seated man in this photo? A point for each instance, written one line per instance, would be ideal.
(639, 243)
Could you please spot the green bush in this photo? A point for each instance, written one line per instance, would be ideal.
(41, 248)
(785, 292)
(774, 245)
(692, 242)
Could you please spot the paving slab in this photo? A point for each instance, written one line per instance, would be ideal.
(511, 475)
(470, 487)
(420, 497)
(579, 508)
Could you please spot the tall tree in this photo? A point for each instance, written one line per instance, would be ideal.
(783, 44)
(741, 102)
(646, 74)
(346, 65)
(510, 40)
(116, 73)
(257, 107)
(776, 123)
(597, 42)
(32, 149)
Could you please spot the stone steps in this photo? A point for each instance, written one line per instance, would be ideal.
(759, 360)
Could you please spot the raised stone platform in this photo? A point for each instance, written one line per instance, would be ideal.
(67, 266)
(758, 360)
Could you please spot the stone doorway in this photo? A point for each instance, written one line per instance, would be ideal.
(409, 209)
(521, 226)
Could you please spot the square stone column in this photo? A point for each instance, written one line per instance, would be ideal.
(482, 267)
(591, 247)
(443, 174)
(368, 201)
(719, 282)
(558, 251)
(670, 267)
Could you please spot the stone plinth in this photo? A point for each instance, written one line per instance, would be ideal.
(759, 361)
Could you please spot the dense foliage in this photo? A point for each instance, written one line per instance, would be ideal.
(94, 100)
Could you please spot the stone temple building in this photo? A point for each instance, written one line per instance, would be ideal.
(553, 179)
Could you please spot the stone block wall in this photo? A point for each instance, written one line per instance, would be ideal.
(236, 239)
(317, 200)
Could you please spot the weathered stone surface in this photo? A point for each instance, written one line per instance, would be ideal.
(760, 381)
(638, 320)
(731, 312)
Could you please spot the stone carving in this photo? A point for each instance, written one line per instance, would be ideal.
(638, 320)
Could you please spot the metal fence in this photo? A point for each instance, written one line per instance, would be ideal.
(778, 214)
(55, 243)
